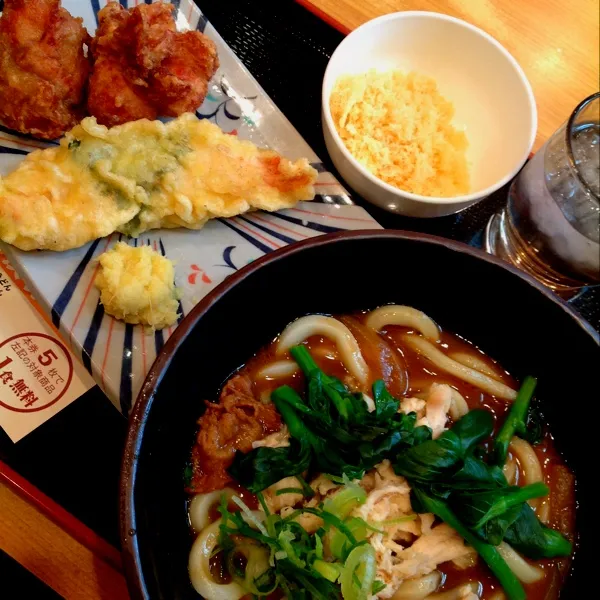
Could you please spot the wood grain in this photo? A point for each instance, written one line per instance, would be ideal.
(556, 42)
(52, 555)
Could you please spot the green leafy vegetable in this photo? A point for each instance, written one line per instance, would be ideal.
(423, 502)
(515, 421)
(331, 431)
(263, 467)
(533, 539)
(439, 460)
(499, 501)
(491, 512)
(386, 406)
(534, 429)
(447, 469)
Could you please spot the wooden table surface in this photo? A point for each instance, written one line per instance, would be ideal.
(57, 548)
(556, 42)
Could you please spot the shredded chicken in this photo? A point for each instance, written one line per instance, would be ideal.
(388, 507)
(279, 439)
(427, 521)
(437, 407)
(389, 499)
(440, 545)
(411, 545)
(434, 411)
(322, 485)
(416, 405)
(285, 504)
(274, 502)
(309, 522)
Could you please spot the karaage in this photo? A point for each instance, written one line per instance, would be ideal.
(144, 68)
(43, 68)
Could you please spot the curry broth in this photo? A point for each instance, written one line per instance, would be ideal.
(420, 375)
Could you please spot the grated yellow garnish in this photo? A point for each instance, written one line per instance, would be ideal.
(400, 128)
(137, 286)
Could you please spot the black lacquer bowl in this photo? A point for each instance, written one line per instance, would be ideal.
(501, 310)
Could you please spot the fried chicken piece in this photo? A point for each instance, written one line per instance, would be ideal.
(144, 68)
(180, 84)
(152, 30)
(113, 98)
(43, 68)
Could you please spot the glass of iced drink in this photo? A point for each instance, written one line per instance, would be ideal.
(551, 224)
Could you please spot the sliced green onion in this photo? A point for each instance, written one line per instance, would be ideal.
(361, 563)
(249, 515)
(307, 491)
(339, 543)
(318, 546)
(345, 501)
(270, 524)
(285, 538)
(388, 522)
(330, 519)
(290, 490)
(263, 503)
(256, 575)
(331, 571)
(266, 583)
(372, 527)
(334, 478)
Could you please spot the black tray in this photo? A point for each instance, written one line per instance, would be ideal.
(75, 457)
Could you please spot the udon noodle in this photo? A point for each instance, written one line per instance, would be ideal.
(306, 532)
(331, 328)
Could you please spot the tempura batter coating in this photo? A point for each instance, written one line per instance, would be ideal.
(139, 176)
(43, 70)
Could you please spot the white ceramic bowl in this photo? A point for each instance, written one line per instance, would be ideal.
(492, 98)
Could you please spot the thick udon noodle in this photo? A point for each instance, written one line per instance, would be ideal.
(331, 328)
(419, 333)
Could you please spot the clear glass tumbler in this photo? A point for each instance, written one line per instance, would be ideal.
(550, 227)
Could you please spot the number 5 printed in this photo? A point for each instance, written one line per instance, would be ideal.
(46, 357)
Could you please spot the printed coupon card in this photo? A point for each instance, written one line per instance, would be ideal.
(39, 375)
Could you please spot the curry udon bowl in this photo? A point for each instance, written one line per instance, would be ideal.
(502, 311)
